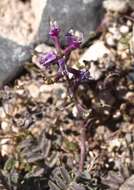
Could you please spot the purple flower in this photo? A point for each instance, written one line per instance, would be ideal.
(54, 35)
(60, 57)
(48, 58)
(80, 74)
(74, 41)
(84, 75)
(54, 30)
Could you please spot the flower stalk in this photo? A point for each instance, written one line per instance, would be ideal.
(60, 58)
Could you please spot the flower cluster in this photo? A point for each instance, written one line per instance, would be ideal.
(60, 57)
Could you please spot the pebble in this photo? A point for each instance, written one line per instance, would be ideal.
(120, 6)
(6, 147)
(75, 111)
(2, 113)
(110, 41)
(5, 126)
(121, 47)
(95, 72)
(95, 52)
(129, 97)
(20, 92)
(33, 90)
(124, 29)
(43, 48)
(114, 143)
(129, 23)
(115, 33)
(46, 88)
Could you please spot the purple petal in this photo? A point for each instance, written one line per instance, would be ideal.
(84, 75)
(54, 29)
(74, 39)
(47, 58)
(61, 63)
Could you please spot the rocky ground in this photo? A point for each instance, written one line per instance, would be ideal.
(39, 124)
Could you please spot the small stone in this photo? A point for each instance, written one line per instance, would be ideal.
(121, 47)
(15, 129)
(117, 115)
(115, 33)
(120, 6)
(129, 23)
(6, 147)
(20, 91)
(124, 29)
(110, 41)
(5, 126)
(129, 138)
(33, 90)
(95, 72)
(2, 113)
(45, 88)
(97, 51)
(124, 55)
(129, 97)
(56, 89)
(8, 108)
(75, 111)
(114, 143)
(43, 48)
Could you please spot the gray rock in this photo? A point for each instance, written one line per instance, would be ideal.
(12, 58)
(129, 184)
(81, 15)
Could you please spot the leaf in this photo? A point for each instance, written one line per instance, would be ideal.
(53, 186)
(10, 163)
(61, 180)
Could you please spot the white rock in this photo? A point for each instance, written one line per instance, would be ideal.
(129, 23)
(55, 88)
(97, 51)
(94, 71)
(20, 91)
(2, 113)
(115, 33)
(75, 111)
(129, 97)
(124, 29)
(6, 147)
(33, 90)
(110, 41)
(116, 5)
(121, 47)
(43, 48)
(114, 143)
(5, 126)
(124, 55)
